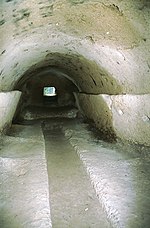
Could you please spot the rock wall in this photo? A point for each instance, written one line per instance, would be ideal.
(8, 105)
(123, 116)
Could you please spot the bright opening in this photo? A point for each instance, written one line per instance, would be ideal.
(49, 91)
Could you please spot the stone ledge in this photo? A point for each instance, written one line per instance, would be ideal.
(126, 116)
(8, 105)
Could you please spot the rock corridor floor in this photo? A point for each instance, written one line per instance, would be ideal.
(58, 173)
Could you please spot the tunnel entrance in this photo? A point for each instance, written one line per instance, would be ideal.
(79, 83)
(46, 94)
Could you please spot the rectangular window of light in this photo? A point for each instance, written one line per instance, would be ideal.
(49, 91)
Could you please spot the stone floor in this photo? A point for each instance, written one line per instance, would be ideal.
(73, 200)
(24, 196)
(58, 172)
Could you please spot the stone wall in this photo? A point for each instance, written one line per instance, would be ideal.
(125, 116)
(8, 105)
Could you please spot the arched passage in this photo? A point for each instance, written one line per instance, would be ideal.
(32, 86)
(95, 53)
(103, 57)
(71, 74)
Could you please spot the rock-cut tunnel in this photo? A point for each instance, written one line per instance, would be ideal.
(74, 97)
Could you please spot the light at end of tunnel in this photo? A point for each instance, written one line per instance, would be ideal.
(49, 91)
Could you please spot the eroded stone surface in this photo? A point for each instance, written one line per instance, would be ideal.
(72, 198)
(119, 174)
(8, 105)
(126, 116)
(24, 196)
